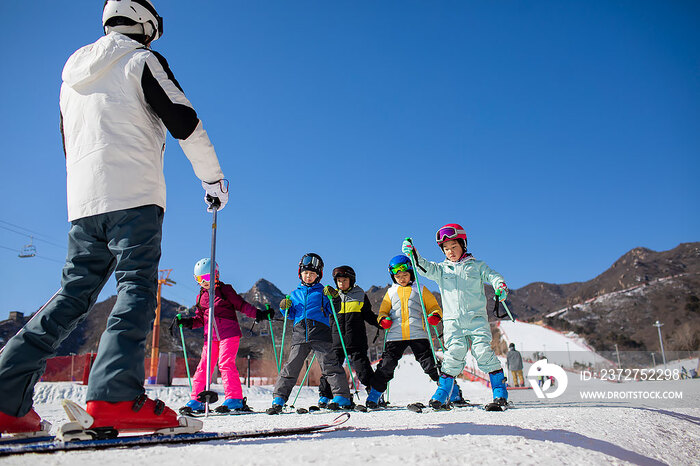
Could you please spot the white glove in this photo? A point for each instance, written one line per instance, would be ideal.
(216, 194)
(407, 248)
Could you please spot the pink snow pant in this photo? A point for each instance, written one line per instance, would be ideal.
(225, 353)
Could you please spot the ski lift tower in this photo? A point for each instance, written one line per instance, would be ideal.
(163, 280)
(29, 250)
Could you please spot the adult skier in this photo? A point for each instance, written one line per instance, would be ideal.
(117, 100)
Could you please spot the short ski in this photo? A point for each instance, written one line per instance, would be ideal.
(218, 413)
(420, 407)
(497, 406)
(54, 445)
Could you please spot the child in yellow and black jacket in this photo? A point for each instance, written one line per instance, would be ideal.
(401, 315)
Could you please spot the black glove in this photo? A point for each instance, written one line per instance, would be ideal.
(179, 320)
(264, 314)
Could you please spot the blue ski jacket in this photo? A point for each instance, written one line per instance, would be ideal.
(311, 312)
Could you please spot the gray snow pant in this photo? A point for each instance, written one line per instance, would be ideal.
(126, 242)
(330, 368)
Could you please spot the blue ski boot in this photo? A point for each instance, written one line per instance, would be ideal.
(498, 385)
(277, 405)
(373, 399)
(340, 402)
(234, 404)
(442, 394)
(456, 398)
(192, 407)
(323, 401)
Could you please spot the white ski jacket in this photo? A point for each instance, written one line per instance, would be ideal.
(117, 100)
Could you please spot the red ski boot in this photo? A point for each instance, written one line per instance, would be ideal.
(104, 419)
(29, 425)
(142, 414)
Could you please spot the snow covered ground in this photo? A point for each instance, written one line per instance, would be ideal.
(564, 430)
(558, 347)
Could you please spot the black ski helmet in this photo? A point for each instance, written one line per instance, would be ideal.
(312, 262)
(344, 271)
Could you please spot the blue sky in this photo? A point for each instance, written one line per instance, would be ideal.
(560, 134)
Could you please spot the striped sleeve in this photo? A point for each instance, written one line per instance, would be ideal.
(165, 96)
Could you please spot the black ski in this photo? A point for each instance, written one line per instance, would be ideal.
(316, 409)
(53, 445)
(498, 406)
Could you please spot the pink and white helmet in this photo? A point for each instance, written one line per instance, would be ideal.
(452, 231)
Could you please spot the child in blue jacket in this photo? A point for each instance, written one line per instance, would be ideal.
(310, 310)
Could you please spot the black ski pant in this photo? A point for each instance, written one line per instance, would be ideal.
(392, 354)
(360, 364)
(331, 368)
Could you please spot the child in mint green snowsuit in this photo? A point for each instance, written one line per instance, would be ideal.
(461, 280)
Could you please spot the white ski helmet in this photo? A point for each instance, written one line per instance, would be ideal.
(141, 18)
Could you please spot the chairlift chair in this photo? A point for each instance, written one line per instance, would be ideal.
(29, 250)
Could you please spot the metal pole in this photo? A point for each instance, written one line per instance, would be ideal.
(658, 326)
(569, 353)
(653, 360)
(212, 296)
(617, 350)
(248, 376)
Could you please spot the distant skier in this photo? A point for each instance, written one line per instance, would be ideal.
(461, 280)
(118, 98)
(515, 365)
(354, 311)
(225, 340)
(401, 314)
(310, 310)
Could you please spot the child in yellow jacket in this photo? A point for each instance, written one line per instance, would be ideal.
(401, 315)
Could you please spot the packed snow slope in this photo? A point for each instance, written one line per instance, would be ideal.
(558, 347)
(564, 430)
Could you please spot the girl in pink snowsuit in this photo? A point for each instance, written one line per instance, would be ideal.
(225, 339)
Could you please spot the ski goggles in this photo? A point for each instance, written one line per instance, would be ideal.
(448, 233)
(310, 261)
(400, 268)
(204, 278)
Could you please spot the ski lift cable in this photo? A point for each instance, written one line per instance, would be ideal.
(30, 234)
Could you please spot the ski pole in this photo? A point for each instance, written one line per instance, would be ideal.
(422, 303)
(208, 396)
(272, 337)
(437, 335)
(505, 306)
(34, 316)
(284, 330)
(303, 381)
(184, 350)
(347, 358)
(386, 331)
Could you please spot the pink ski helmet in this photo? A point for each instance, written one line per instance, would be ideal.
(452, 231)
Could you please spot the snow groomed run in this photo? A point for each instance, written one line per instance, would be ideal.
(564, 430)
